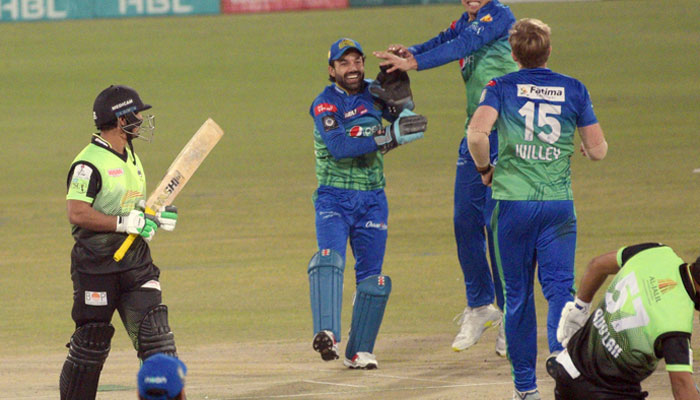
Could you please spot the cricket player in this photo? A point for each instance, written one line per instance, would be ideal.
(646, 315)
(479, 40)
(536, 112)
(350, 204)
(106, 183)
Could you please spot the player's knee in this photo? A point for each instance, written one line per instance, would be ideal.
(88, 349)
(90, 343)
(326, 258)
(375, 285)
(155, 335)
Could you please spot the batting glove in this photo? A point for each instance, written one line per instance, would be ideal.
(138, 223)
(167, 217)
(573, 317)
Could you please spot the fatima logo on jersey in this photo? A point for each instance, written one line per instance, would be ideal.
(548, 93)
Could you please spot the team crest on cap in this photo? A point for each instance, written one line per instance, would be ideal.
(345, 43)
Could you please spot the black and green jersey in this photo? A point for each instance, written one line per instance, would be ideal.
(113, 184)
(646, 315)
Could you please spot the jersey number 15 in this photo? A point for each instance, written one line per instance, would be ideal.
(544, 118)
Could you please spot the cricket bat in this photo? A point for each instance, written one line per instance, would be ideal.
(179, 173)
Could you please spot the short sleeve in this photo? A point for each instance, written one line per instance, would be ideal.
(84, 182)
(586, 115)
(490, 95)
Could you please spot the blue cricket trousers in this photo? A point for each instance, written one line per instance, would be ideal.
(530, 233)
(472, 213)
(361, 217)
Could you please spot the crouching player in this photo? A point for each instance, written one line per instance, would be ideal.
(350, 203)
(646, 315)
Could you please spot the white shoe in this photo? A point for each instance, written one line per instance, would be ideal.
(529, 395)
(501, 341)
(474, 321)
(362, 360)
(324, 343)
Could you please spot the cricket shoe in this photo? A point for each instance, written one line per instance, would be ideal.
(324, 343)
(529, 395)
(474, 321)
(501, 341)
(362, 360)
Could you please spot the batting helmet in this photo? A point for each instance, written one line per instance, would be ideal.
(114, 102)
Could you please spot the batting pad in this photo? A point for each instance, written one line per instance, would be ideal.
(326, 290)
(367, 313)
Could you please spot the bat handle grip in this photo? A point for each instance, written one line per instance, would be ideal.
(119, 254)
(121, 251)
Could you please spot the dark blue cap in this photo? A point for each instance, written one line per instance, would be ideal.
(341, 46)
(161, 377)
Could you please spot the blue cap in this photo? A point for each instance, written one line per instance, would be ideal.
(163, 375)
(341, 46)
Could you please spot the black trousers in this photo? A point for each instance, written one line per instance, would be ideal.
(132, 293)
(583, 388)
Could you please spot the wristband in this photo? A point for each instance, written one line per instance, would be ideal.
(582, 305)
(121, 224)
(485, 170)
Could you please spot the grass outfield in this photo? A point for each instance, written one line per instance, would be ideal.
(235, 269)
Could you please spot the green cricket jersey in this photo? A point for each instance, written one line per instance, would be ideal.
(113, 184)
(538, 113)
(646, 304)
(346, 154)
(491, 61)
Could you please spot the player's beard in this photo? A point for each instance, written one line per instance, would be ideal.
(353, 86)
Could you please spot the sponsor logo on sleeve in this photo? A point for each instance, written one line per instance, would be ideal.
(486, 18)
(483, 96)
(95, 298)
(329, 123)
(355, 131)
(324, 107)
(82, 171)
(548, 93)
(81, 179)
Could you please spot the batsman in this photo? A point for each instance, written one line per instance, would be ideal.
(106, 185)
(350, 204)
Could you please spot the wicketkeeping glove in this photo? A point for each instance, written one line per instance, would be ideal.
(407, 128)
(167, 217)
(138, 223)
(573, 317)
(394, 90)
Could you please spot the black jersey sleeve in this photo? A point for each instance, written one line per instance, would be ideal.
(674, 347)
(629, 251)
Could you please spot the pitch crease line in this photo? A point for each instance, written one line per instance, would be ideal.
(414, 388)
(335, 384)
(435, 380)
